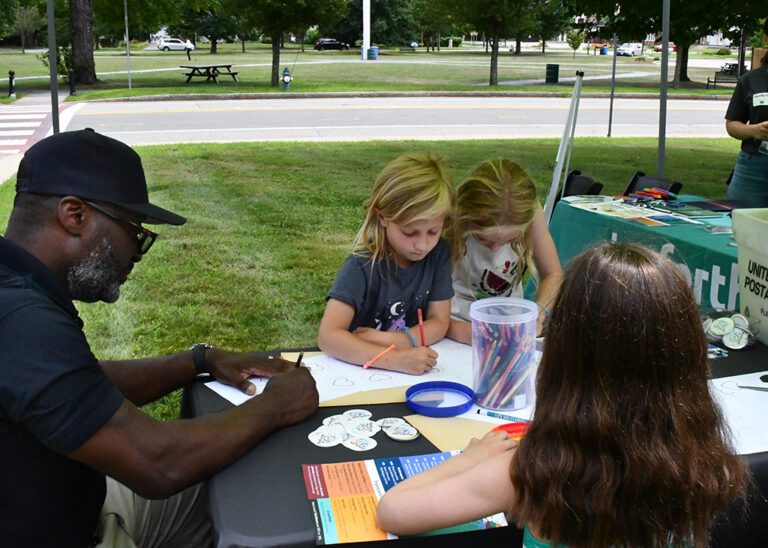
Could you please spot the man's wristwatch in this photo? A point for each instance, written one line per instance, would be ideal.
(198, 357)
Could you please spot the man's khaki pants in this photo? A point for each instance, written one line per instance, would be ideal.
(130, 521)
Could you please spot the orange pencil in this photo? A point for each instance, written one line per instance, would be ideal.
(367, 364)
(421, 327)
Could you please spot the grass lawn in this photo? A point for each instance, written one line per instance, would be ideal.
(270, 224)
(458, 69)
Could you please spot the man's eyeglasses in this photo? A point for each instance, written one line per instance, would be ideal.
(144, 237)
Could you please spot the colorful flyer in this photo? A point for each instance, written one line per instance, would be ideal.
(344, 496)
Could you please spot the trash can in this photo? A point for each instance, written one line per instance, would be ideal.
(373, 53)
(604, 50)
(553, 74)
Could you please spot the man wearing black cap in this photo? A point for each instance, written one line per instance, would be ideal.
(68, 420)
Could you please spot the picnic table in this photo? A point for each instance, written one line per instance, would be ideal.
(209, 72)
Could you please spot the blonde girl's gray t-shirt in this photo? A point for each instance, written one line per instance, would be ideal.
(385, 296)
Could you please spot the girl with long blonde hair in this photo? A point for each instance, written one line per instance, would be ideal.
(399, 267)
(499, 235)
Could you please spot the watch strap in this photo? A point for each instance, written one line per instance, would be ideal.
(198, 358)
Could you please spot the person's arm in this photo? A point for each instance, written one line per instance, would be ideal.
(145, 380)
(547, 264)
(460, 331)
(334, 339)
(157, 459)
(469, 486)
(742, 131)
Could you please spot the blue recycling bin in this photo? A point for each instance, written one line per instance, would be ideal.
(604, 50)
(373, 53)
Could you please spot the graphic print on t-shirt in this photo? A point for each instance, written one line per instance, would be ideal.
(498, 283)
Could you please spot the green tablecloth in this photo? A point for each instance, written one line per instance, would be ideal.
(707, 260)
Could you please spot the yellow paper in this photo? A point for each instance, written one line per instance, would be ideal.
(449, 433)
(395, 394)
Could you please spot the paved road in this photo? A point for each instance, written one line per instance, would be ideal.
(354, 119)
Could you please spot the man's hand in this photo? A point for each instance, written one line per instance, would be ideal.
(234, 368)
(295, 393)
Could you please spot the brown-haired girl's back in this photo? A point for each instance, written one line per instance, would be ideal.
(627, 447)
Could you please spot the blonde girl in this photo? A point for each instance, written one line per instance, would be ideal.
(499, 234)
(398, 266)
(627, 446)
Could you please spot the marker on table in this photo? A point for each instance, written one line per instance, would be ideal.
(367, 364)
(500, 416)
(410, 337)
(301, 357)
(421, 327)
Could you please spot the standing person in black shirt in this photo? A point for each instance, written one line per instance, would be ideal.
(71, 432)
(747, 120)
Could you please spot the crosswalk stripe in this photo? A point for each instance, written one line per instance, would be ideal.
(22, 116)
(18, 124)
(13, 133)
(12, 142)
(10, 151)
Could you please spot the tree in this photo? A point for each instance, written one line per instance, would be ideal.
(276, 17)
(494, 19)
(550, 19)
(689, 21)
(144, 17)
(28, 20)
(81, 30)
(393, 22)
(575, 39)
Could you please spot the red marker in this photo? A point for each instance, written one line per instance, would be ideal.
(421, 327)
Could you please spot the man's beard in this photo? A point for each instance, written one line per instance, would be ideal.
(98, 276)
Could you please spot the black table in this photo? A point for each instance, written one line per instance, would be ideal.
(261, 500)
(209, 72)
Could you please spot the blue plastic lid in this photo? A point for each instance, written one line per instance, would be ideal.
(439, 398)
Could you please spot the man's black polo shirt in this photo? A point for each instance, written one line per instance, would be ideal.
(53, 397)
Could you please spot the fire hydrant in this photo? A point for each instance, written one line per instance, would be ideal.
(286, 79)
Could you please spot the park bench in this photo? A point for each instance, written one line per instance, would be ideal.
(722, 77)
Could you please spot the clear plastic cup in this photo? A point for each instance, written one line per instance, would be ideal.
(504, 352)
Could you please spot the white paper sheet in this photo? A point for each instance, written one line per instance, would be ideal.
(336, 378)
(744, 411)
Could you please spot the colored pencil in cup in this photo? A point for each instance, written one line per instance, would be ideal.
(370, 362)
(421, 327)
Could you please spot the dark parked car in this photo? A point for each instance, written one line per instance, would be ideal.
(329, 43)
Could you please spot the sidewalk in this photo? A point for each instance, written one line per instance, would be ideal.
(9, 164)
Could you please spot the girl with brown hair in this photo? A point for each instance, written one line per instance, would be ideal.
(627, 447)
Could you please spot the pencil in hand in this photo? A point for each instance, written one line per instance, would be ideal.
(421, 327)
(370, 362)
(301, 357)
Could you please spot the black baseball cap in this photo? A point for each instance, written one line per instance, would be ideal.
(94, 167)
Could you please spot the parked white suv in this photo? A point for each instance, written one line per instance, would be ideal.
(168, 44)
(630, 49)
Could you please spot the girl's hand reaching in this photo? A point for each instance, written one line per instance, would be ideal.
(492, 444)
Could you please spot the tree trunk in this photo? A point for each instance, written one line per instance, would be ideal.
(242, 45)
(494, 80)
(681, 64)
(543, 45)
(276, 59)
(214, 44)
(438, 41)
(81, 27)
(518, 44)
